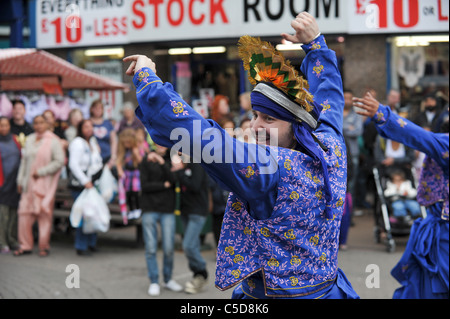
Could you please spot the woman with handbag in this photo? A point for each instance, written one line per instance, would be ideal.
(85, 166)
(37, 180)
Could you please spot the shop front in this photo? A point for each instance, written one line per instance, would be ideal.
(193, 42)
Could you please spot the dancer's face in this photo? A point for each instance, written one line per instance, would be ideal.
(271, 131)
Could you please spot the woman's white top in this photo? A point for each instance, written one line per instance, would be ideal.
(84, 161)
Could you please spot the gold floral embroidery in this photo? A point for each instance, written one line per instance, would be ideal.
(308, 174)
(230, 250)
(318, 68)
(273, 262)
(290, 234)
(265, 232)
(323, 258)
(380, 116)
(236, 273)
(237, 206)
(337, 151)
(247, 231)
(314, 240)
(178, 108)
(315, 46)
(319, 195)
(294, 281)
(250, 172)
(238, 258)
(402, 123)
(294, 196)
(295, 261)
(287, 164)
(325, 106)
(316, 180)
(142, 75)
(340, 202)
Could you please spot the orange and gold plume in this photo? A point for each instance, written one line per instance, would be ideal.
(265, 64)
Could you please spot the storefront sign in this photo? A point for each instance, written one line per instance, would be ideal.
(63, 23)
(158, 20)
(398, 16)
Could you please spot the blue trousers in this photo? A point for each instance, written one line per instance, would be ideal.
(401, 208)
(150, 232)
(193, 225)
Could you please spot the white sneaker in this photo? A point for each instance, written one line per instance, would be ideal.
(195, 285)
(134, 214)
(153, 290)
(173, 285)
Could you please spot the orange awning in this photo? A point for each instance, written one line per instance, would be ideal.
(32, 69)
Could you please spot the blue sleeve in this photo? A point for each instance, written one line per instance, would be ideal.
(399, 129)
(325, 83)
(248, 170)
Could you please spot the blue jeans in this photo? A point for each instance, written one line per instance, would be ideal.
(150, 233)
(83, 241)
(401, 208)
(193, 225)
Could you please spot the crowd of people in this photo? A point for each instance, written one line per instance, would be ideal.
(35, 156)
(154, 186)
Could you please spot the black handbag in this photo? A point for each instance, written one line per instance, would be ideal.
(72, 182)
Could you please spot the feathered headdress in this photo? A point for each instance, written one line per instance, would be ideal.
(265, 64)
(289, 101)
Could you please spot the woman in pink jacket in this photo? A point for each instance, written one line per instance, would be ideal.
(40, 167)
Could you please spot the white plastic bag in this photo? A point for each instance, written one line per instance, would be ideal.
(107, 185)
(91, 212)
(76, 213)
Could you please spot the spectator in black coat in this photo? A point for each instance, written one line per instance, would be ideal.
(158, 205)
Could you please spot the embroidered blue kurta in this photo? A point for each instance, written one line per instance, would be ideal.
(424, 266)
(275, 236)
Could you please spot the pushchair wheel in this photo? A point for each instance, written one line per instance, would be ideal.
(390, 246)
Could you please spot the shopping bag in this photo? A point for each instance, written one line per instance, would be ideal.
(107, 185)
(90, 212)
(76, 213)
(96, 215)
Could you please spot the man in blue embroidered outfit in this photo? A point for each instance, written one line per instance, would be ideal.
(280, 232)
(423, 268)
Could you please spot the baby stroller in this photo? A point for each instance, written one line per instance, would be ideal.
(384, 225)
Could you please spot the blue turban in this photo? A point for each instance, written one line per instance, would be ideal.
(303, 132)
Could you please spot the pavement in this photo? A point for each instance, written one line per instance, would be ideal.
(118, 270)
